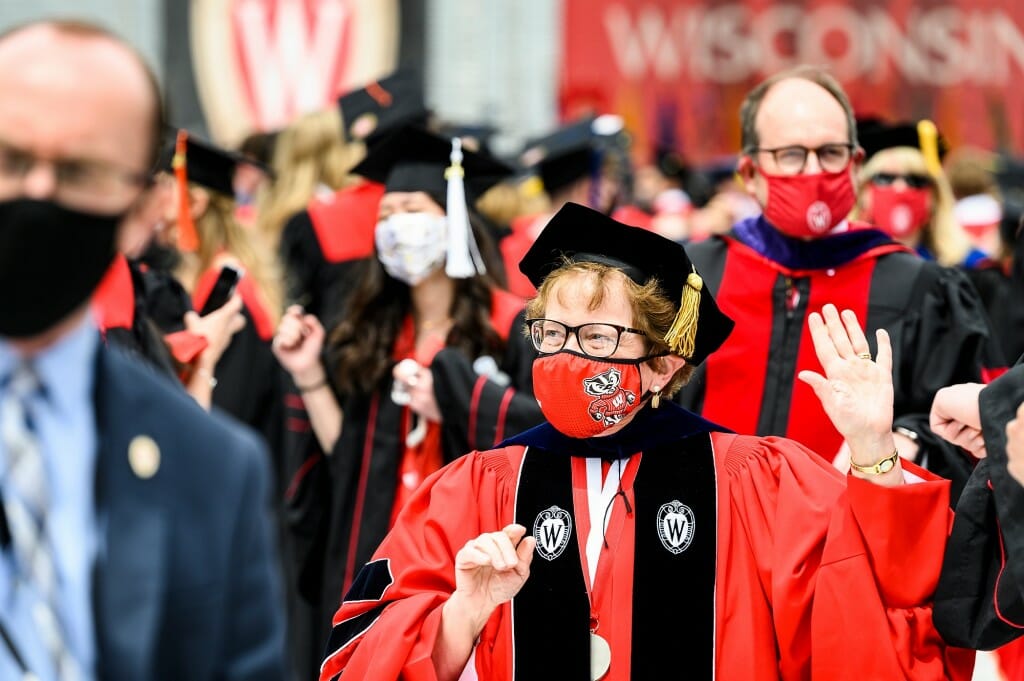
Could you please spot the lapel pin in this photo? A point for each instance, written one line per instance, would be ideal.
(144, 456)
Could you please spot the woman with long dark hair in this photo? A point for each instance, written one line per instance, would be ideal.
(427, 363)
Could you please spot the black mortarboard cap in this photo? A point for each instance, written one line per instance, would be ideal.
(414, 159)
(381, 107)
(875, 135)
(583, 234)
(475, 137)
(206, 164)
(564, 156)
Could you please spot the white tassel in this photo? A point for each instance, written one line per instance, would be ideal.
(463, 255)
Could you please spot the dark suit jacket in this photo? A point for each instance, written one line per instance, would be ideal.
(186, 583)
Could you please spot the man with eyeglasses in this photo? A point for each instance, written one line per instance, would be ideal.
(799, 160)
(134, 539)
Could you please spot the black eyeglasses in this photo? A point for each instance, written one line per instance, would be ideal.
(912, 180)
(792, 160)
(80, 183)
(595, 339)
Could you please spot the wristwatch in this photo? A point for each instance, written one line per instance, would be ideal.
(883, 466)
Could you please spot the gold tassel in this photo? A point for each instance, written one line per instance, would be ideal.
(656, 397)
(682, 337)
(928, 136)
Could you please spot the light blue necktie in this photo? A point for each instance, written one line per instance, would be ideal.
(26, 504)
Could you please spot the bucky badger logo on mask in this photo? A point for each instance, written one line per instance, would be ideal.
(612, 401)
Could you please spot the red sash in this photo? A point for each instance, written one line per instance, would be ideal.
(345, 222)
(113, 302)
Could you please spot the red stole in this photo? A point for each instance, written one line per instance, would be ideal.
(113, 302)
(736, 374)
(425, 457)
(345, 222)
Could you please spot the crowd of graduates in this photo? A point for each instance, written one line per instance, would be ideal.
(377, 295)
(368, 358)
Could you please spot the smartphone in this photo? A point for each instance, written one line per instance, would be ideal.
(223, 289)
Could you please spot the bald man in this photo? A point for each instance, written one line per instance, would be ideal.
(135, 539)
(799, 159)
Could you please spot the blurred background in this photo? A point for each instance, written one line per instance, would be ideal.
(675, 70)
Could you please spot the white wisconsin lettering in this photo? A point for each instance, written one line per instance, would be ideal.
(775, 23)
(828, 21)
(1010, 44)
(891, 49)
(936, 33)
(642, 46)
(291, 68)
(726, 54)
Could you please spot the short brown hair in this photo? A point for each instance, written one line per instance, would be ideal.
(653, 313)
(752, 103)
(84, 29)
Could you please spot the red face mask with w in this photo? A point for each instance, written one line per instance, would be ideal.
(900, 213)
(808, 206)
(581, 396)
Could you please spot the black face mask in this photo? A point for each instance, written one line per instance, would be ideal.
(51, 260)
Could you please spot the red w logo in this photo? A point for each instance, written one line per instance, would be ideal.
(292, 55)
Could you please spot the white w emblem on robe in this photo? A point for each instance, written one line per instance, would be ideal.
(675, 526)
(552, 529)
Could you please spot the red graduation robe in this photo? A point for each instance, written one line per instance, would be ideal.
(817, 576)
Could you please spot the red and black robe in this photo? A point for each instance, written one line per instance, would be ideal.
(339, 507)
(320, 244)
(769, 283)
(724, 556)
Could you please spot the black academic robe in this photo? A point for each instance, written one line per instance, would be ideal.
(980, 599)
(769, 284)
(1002, 293)
(250, 382)
(122, 313)
(338, 507)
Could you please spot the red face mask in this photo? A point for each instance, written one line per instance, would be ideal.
(582, 397)
(900, 213)
(808, 206)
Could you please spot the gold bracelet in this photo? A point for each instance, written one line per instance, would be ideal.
(883, 466)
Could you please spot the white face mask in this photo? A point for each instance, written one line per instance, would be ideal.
(412, 245)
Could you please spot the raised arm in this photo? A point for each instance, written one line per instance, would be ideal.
(297, 346)
(856, 392)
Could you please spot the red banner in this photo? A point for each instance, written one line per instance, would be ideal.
(677, 70)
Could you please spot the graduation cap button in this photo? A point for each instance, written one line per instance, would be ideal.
(144, 456)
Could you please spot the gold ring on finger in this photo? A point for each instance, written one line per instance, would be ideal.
(865, 355)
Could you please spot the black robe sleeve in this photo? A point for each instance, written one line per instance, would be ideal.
(944, 338)
(311, 281)
(1002, 294)
(306, 495)
(300, 252)
(250, 388)
(480, 410)
(145, 337)
(980, 600)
